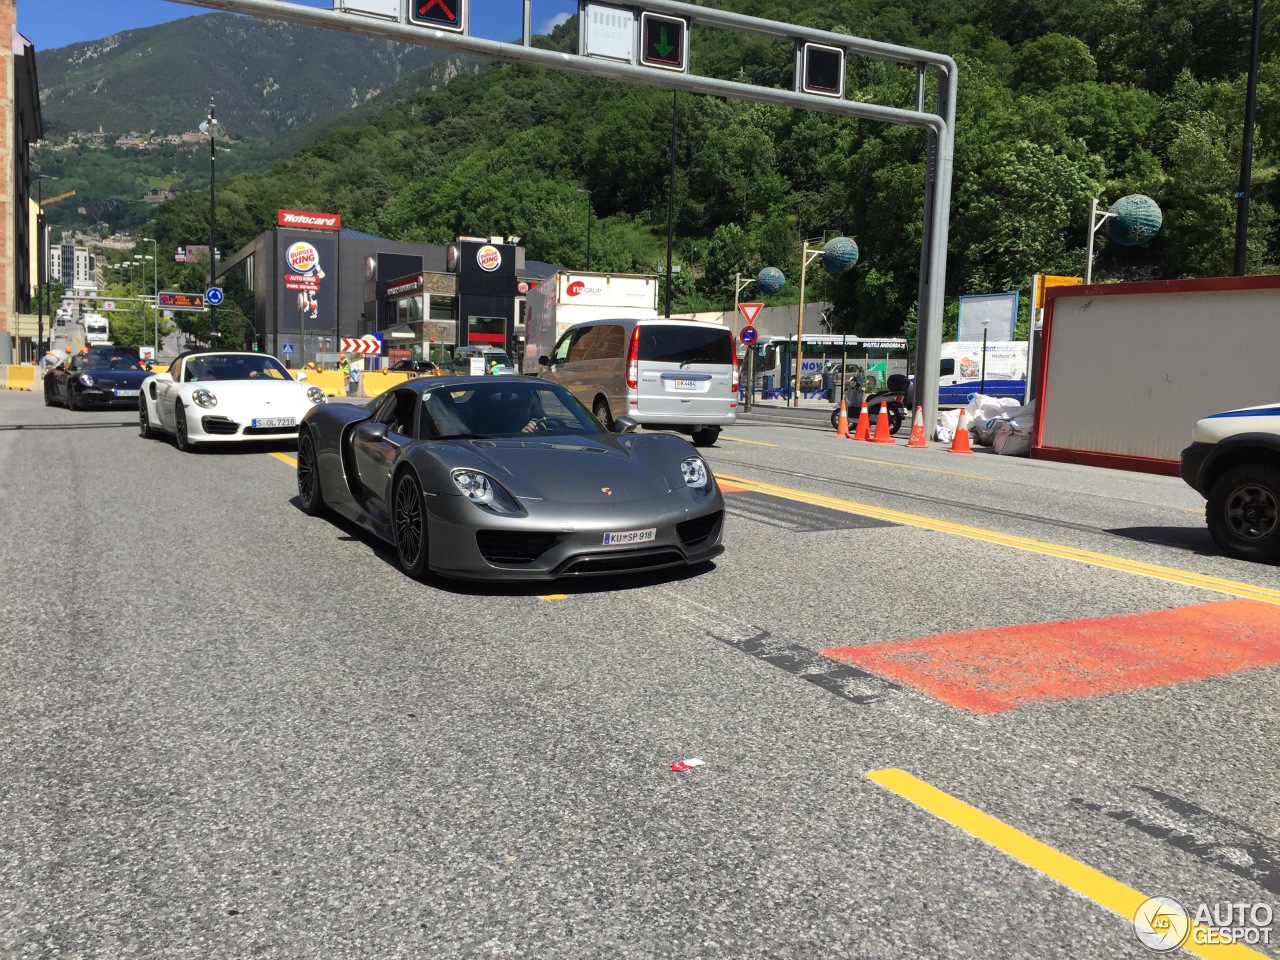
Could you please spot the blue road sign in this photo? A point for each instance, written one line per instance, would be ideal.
(213, 296)
(747, 335)
(286, 348)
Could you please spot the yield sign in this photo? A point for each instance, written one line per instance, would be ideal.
(750, 311)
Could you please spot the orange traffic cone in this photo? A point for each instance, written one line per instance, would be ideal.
(842, 426)
(961, 443)
(883, 433)
(863, 429)
(917, 430)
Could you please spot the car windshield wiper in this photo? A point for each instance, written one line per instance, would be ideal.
(464, 436)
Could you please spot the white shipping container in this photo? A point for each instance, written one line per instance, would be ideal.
(572, 297)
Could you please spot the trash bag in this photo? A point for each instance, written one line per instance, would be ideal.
(945, 430)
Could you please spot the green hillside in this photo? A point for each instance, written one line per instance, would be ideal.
(1058, 102)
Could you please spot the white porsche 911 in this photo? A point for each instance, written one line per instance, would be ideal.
(224, 395)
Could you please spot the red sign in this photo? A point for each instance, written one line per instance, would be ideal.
(308, 220)
(750, 311)
(575, 289)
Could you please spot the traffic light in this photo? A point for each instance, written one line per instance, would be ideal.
(440, 14)
(822, 70)
(664, 42)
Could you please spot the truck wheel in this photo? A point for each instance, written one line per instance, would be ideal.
(1243, 513)
(706, 436)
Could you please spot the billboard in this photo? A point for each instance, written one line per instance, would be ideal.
(599, 290)
(309, 270)
(308, 220)
(997, 313)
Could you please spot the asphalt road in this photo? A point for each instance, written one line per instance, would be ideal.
(228, 729)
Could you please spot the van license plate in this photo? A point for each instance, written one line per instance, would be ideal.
(686, 385)
(630, 536)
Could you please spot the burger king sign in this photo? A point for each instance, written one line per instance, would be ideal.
(305, 272)
(489, 258)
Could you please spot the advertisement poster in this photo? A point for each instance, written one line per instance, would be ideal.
(310, 285)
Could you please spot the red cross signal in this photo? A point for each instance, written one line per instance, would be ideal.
(442, 14)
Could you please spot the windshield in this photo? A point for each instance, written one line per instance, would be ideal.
(234, 366)
(509, 407)
(685, 343)
(108, 361)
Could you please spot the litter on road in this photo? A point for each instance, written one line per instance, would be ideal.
(680, 766)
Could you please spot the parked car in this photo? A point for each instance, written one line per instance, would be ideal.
(421, 367)
(675, 374)
(508, 478)
(98, 377)
(224, 396)
(1234, 463)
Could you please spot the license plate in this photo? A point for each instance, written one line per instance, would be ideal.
(276, 422)
(686, 384)
(125, 393)
(630, 536)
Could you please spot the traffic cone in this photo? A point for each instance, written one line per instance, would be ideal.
(883, 434)
(917, 431)
(842, 426)
(863, 429)
(961, 443)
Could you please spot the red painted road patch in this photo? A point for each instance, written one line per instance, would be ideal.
(999, 669)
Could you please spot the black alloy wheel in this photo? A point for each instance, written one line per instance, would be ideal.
(72, 403)
(144, 422)
(409, 519)
(1243, 513)
(310, 497)
(48, 392)
(602, 414)
(180, 438)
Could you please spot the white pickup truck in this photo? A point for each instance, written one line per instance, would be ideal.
(1234, 462)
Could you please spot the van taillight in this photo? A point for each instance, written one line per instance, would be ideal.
(633, 359)
(735, 371)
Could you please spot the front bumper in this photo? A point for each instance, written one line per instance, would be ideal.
(108, 397)
(469, 543)
(1191, 467)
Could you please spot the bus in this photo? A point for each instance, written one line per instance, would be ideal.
(875, 359)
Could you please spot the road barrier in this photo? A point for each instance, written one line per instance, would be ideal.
(20, 377)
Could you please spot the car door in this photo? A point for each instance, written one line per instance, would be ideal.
(559, 369)
(376, 451)
(167, 395)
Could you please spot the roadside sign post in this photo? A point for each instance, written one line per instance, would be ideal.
(749, 313)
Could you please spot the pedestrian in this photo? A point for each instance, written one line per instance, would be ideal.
(344, 368)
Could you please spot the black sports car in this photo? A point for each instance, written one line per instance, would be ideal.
(102, 377)
(508, 478)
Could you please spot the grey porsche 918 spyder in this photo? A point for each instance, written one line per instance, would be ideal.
(509, 478)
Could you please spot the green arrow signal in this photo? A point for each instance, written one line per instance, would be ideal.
(663, 48)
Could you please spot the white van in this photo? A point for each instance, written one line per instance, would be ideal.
(670, 374)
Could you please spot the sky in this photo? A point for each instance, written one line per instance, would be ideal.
(56, 23)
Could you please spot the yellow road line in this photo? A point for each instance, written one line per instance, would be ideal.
(912, 466)
(1084, 880)
(1232, 588)
(285, 458)
(554, 596)
(757, 443)
(1193, 509)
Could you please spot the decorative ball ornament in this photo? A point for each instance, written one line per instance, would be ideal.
(1136, 219)
(771, 280)
(839, 254)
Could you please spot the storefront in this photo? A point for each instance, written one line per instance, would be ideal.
(309, 283)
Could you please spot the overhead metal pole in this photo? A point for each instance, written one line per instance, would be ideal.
(1246, 150)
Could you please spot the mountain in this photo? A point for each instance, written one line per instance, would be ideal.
(269, 78)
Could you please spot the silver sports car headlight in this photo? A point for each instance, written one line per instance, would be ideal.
(204, 398)
(85, 379)
(475, 486)
(315, 394)
(695, 472)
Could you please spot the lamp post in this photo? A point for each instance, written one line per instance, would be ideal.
(1095, 224)
(738, 285)
(42, 271)
(983, 389)
(1246, 148)
(807, 256)
(143, 317)
(671, 201)
(588, 193)
(213, 129)
(155, 291)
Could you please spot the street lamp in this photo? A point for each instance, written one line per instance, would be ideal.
(588, 193)
(42, 271)
(839, 254)
(213, 129)
(155, 290)
(1134, 220)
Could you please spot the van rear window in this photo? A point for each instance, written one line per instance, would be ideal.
(685, 344)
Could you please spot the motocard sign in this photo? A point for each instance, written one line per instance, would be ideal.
(307, 220)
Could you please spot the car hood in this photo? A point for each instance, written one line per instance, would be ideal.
(117, 379)
(1219, 426)
(579, 469)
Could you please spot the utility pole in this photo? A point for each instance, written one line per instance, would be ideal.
(1246, 150)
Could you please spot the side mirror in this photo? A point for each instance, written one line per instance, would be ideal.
(302, 376)
(164, 376)
(544, 361)
(372, 431)
(624, 425)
